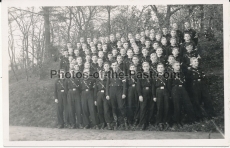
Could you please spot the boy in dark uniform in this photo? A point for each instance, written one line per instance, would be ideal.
(160, 56)
(74, 100)
(192, 32)
(144, 87)
(164, 46)
(136, 52)
(166, 34)
(128, 60)
(176, 54)
(132, 99)
(198, 90)
(99, 66)
(187, 39)
(180, 96)
(135, 62)
(161, 92)
(60, 95)
(64, 63)
(87, 95)
(145, 56)
(103, 105)
(120, 63)
(115, 90)
(179, 34)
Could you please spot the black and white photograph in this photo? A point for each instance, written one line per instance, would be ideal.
(123, 72)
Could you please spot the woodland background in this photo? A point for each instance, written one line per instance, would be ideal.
(37, 34)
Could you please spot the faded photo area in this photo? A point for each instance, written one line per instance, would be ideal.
(45, 43)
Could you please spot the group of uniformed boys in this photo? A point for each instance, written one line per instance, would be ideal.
(162, 85)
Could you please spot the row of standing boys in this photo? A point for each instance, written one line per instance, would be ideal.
(162, 85)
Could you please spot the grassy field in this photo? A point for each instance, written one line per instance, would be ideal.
(32, 103)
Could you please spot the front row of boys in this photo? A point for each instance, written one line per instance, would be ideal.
(138, 102)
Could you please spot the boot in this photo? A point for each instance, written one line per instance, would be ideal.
(80, 126)
(161, 127)
(96, 127)
(126, 124)
(135, 123)
(60, 126)
(116, 122)
(166, 126)
(86, 127)
(103, 126)
(108, 126)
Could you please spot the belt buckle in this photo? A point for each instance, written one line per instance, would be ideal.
(199, 80)
(162, 87)
(62, 90)
(74, 89)
(102, 91)
(133, 85)
(180, 85)
(147, 88)
(87, 90)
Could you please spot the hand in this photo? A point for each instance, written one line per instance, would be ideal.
(155, 99)
(107, 97)
(140, 98)
(189, 68)
(123, 96)
(95, 102)
(56, 100)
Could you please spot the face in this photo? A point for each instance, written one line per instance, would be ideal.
(110, 56)
(137, 36)
(176, 66)
(100, 54)
(78, 45)
(94, 59)
(130, 36)
(142, 33)
(173, 41)
(99, 61)
(76, 52)
(195, 63)
(114, 66)
(159, 51)
(153, 59)
(173, 33)
(106, 39)
(163, 41)
(66, 53)
(144, 51)
(147, 43)
(119, 59)
(158, 37)
(175, 52)
(155, 45)
(135, 60)
(142, 39)
(87, 58)
(82, 40)
(99, 46)
(151, 36)
(114, 52)
(160, 68)
(125, 45)
(68, 44)
(71, 66)
(104, 47)
(122, 51)
(145, 67)
(87, 51)
(132, 68)
(186, 25)
(106, 67)
(175, 26)
(95, 40)
(147, 32)
(93, 49)
(171, 60)
(130, 53)
(79, 60)
(88, 40)
(112, 38)
(189, 48)
(152, 31)
(136, 49)
(76, 68)
(165, 30)
(122, 39)
(119, 44)
(187, 37)
(118, 36)
(70, 59)
(87, 65)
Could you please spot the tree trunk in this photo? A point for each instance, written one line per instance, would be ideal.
(109, 27)
(70, 22)
(202, 18)
(47, 30)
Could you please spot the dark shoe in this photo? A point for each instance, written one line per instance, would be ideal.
(86, 127)
(143, 127)
(72, 127)
(166, 126)
(96, 127)
(108, 126)
(115, 126)
(60, 126)
(135, 123)
(175, 126)
(150, 127)
(126, 126)
(161, 127)
(103, 126)
(80, 126)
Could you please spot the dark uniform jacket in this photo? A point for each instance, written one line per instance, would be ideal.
(64, 63)
(60, 86)
(192, 33)
(159, 82)
(144, 83)
(87, 84)
(73, 84)
(100, 85)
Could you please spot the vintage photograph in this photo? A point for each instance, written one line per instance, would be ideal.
(116, 72)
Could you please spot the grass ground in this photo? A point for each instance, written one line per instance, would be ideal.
(31, 103)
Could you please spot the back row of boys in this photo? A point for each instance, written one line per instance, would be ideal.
(111, 93)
